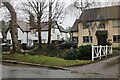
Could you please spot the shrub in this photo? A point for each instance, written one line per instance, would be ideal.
(71, 54)
(85, 52)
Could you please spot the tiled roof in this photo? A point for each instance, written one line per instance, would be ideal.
(104, 13)
(23, 25)
(75, 26)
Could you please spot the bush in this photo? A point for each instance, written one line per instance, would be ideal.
(85, 52)
(71, 54)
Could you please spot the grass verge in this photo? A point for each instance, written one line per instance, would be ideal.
(44, 60)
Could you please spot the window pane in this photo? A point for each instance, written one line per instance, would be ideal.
(87, 25)
(114, 38)
(116, 23)
(86, 39)
(119, 38)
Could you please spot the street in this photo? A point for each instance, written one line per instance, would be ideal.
(96, 70)
(19, 71)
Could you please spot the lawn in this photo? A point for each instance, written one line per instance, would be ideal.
(44, 60)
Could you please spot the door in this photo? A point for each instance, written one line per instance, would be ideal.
(102, 37)
(102, 40)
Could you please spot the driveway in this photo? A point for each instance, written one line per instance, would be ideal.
(106, 68)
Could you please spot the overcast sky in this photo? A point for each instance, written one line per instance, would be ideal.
(70, 17)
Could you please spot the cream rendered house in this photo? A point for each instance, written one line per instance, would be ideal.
(99, 26)
(74, 31)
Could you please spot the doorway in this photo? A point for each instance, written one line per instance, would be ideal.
(102, 37)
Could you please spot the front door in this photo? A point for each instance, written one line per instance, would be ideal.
(102, 40)
(102, 37)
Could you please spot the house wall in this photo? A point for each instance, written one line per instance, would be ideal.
(55, 35)
(108, 26)
(22, 36)
(34, 36)
(75, 34)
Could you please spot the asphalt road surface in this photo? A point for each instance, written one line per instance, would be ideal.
(108, 68)
(18, 71)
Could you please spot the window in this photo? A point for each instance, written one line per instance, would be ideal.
(53, 30)
(116, 23)
(86, 39)
(8, 41)
(35, 41)
(33, 31)
(116, 38)
(19, 41)
(101, 24)
(87, 25)
(58, 37)
(75, 39)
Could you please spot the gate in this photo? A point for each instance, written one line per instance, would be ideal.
(101, 51)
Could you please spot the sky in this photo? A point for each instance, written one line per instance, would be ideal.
(71, 15)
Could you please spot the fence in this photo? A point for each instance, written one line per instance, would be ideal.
(101, 51)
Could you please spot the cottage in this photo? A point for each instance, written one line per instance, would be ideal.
(57, 32)
(98, 26)
(29, 35)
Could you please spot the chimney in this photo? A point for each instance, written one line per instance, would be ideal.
(32, 20)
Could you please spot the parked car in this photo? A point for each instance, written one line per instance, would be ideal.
(67, 45)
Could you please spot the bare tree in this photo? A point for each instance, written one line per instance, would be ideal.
(36, 9)
(56, 14)
(81, 6)
(13, 27)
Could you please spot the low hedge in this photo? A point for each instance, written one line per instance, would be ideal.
(84, 52)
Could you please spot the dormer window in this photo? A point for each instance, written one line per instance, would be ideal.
(101, 24)
(87, 25)
(116, 23)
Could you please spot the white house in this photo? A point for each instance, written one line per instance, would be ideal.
(29, 35)
(57, 32)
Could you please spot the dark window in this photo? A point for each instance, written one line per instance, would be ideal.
(101, 24)
(86, 39)
(116, 38)
(8, 41)
(87, 25)
(19, 41)
(35, 41)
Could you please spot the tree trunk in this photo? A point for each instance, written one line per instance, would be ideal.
(49, 24)
(39, 31)
(13, 27)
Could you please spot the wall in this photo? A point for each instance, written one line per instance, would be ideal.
(34, 36)
(84, 32)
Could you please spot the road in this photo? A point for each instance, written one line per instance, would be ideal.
(96, 70)
(20, 71)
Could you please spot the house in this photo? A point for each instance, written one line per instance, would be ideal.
(99, 26)
(74, 31)
(57, 32)
(29, 35)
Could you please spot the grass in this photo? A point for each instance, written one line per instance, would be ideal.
(44, 60)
